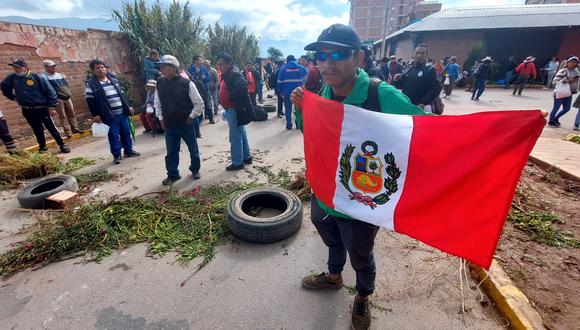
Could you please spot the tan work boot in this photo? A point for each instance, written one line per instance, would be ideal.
(361, 314)
(321, 281)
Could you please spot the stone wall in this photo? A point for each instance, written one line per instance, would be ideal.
(72, 50)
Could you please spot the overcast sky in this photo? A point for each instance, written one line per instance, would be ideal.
(286, 24)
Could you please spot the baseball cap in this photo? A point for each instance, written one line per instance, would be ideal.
(18, 62)
(169, 59)
(336, 35)
(48, 63)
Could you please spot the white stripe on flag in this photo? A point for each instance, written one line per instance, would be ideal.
(392, 134)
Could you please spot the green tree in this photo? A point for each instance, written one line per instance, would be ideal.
(478, 52)
(234, 40)
(172, 29)
(275, 53)
(373, 166)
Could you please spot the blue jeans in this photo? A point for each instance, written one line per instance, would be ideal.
(259, 86)
(577, 120)
(239, 145)
(479, 88)
(173, 136)
(207, 106)
(565, 103)
(508, 77)
(215, 100)
(120, 135)
(288, 109)
(352, 236)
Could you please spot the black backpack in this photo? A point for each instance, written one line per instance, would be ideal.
(372, 101)
(260, 113)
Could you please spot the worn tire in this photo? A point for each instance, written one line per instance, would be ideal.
(267, 229)
(269, 108)
(33, 195)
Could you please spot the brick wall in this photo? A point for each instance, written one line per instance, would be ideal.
(72, 50)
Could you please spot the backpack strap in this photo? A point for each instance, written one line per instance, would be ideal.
(372, 101)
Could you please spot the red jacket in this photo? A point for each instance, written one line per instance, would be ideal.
(527, 69)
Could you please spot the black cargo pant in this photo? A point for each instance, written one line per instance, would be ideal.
(38, 119)
(352, 236)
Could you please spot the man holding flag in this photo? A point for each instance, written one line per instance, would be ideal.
(447, 181)
(338, 52)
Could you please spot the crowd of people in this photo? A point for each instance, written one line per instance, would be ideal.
(178, 100)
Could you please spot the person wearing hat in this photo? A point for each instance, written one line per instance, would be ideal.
(38, 100)
(338, 52)
(525, 71)
(569, 76)
(147, 111)
(66, 111)
(290, 76)
(482, 75)
(394, 66)
(177, 105)
(109, 105)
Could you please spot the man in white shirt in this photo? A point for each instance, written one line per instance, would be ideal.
(177, 104)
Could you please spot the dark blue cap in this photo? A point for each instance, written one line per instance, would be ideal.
(336, 35)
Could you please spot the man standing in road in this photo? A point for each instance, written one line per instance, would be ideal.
(290, 76)
(338, 52)
(451, 71)
(108, 104)
(233, 98)
(177, 104)
(213, 86)
(38, 100)
(199, 73)
(482, 75)
(66, 111)
(419, 82)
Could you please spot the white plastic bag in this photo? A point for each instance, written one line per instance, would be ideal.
(562, 90)
(100, 129)
(447, 82)
(149, 109)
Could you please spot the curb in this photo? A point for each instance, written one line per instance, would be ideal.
(87, 132)
(511, 302)
(551, 167)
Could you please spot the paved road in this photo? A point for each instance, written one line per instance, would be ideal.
(246, 286)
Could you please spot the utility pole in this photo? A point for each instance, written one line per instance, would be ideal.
(383, 43)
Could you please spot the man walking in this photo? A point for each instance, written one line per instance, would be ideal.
(338, 54)
(290, 76)
(199, 73)
(233, 98)
(214, 82)
(419, 82)
(66, 111)
(38, 100)
(451, 71)
(482, 76)
(509, 71)
(177, 104)
(109, 105)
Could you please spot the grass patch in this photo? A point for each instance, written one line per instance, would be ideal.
(190, 225)
(539, 226)
(28, 165)
(350, 289)
(100, 175)
(297, 184)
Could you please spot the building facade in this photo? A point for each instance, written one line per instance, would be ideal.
(373, 19)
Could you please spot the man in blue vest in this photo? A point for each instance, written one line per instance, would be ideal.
(290, 77)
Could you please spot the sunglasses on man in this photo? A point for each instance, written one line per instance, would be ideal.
(337, 55)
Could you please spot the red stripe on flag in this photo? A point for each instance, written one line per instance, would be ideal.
(462, 175)
(322, 128)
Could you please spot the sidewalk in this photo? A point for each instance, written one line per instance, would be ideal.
(552, 151)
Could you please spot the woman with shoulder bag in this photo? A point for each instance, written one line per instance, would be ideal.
(566, 82)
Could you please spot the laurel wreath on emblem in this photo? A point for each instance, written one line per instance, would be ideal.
(390, 183)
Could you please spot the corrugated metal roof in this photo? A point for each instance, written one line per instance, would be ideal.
(496, 17)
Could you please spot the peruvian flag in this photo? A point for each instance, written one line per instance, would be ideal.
(447, 181)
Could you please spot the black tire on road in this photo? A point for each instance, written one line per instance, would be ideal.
(269, 108)
(283, 220)
(33, 195)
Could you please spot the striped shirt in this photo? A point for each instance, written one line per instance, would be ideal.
(112, 96)
(56, 79)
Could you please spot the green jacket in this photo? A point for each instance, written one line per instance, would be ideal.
(391, 100)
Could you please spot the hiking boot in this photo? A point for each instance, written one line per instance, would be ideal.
(42, 150)
(64, 149)
(195, 175)
(170, 180)
(248, 161)
(77, 131)
(132, 153)
(233, 167)
(211, 121)
(117, 160)
(321, 281)
(361, 315)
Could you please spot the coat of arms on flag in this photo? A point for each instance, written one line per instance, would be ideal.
(367, 174)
